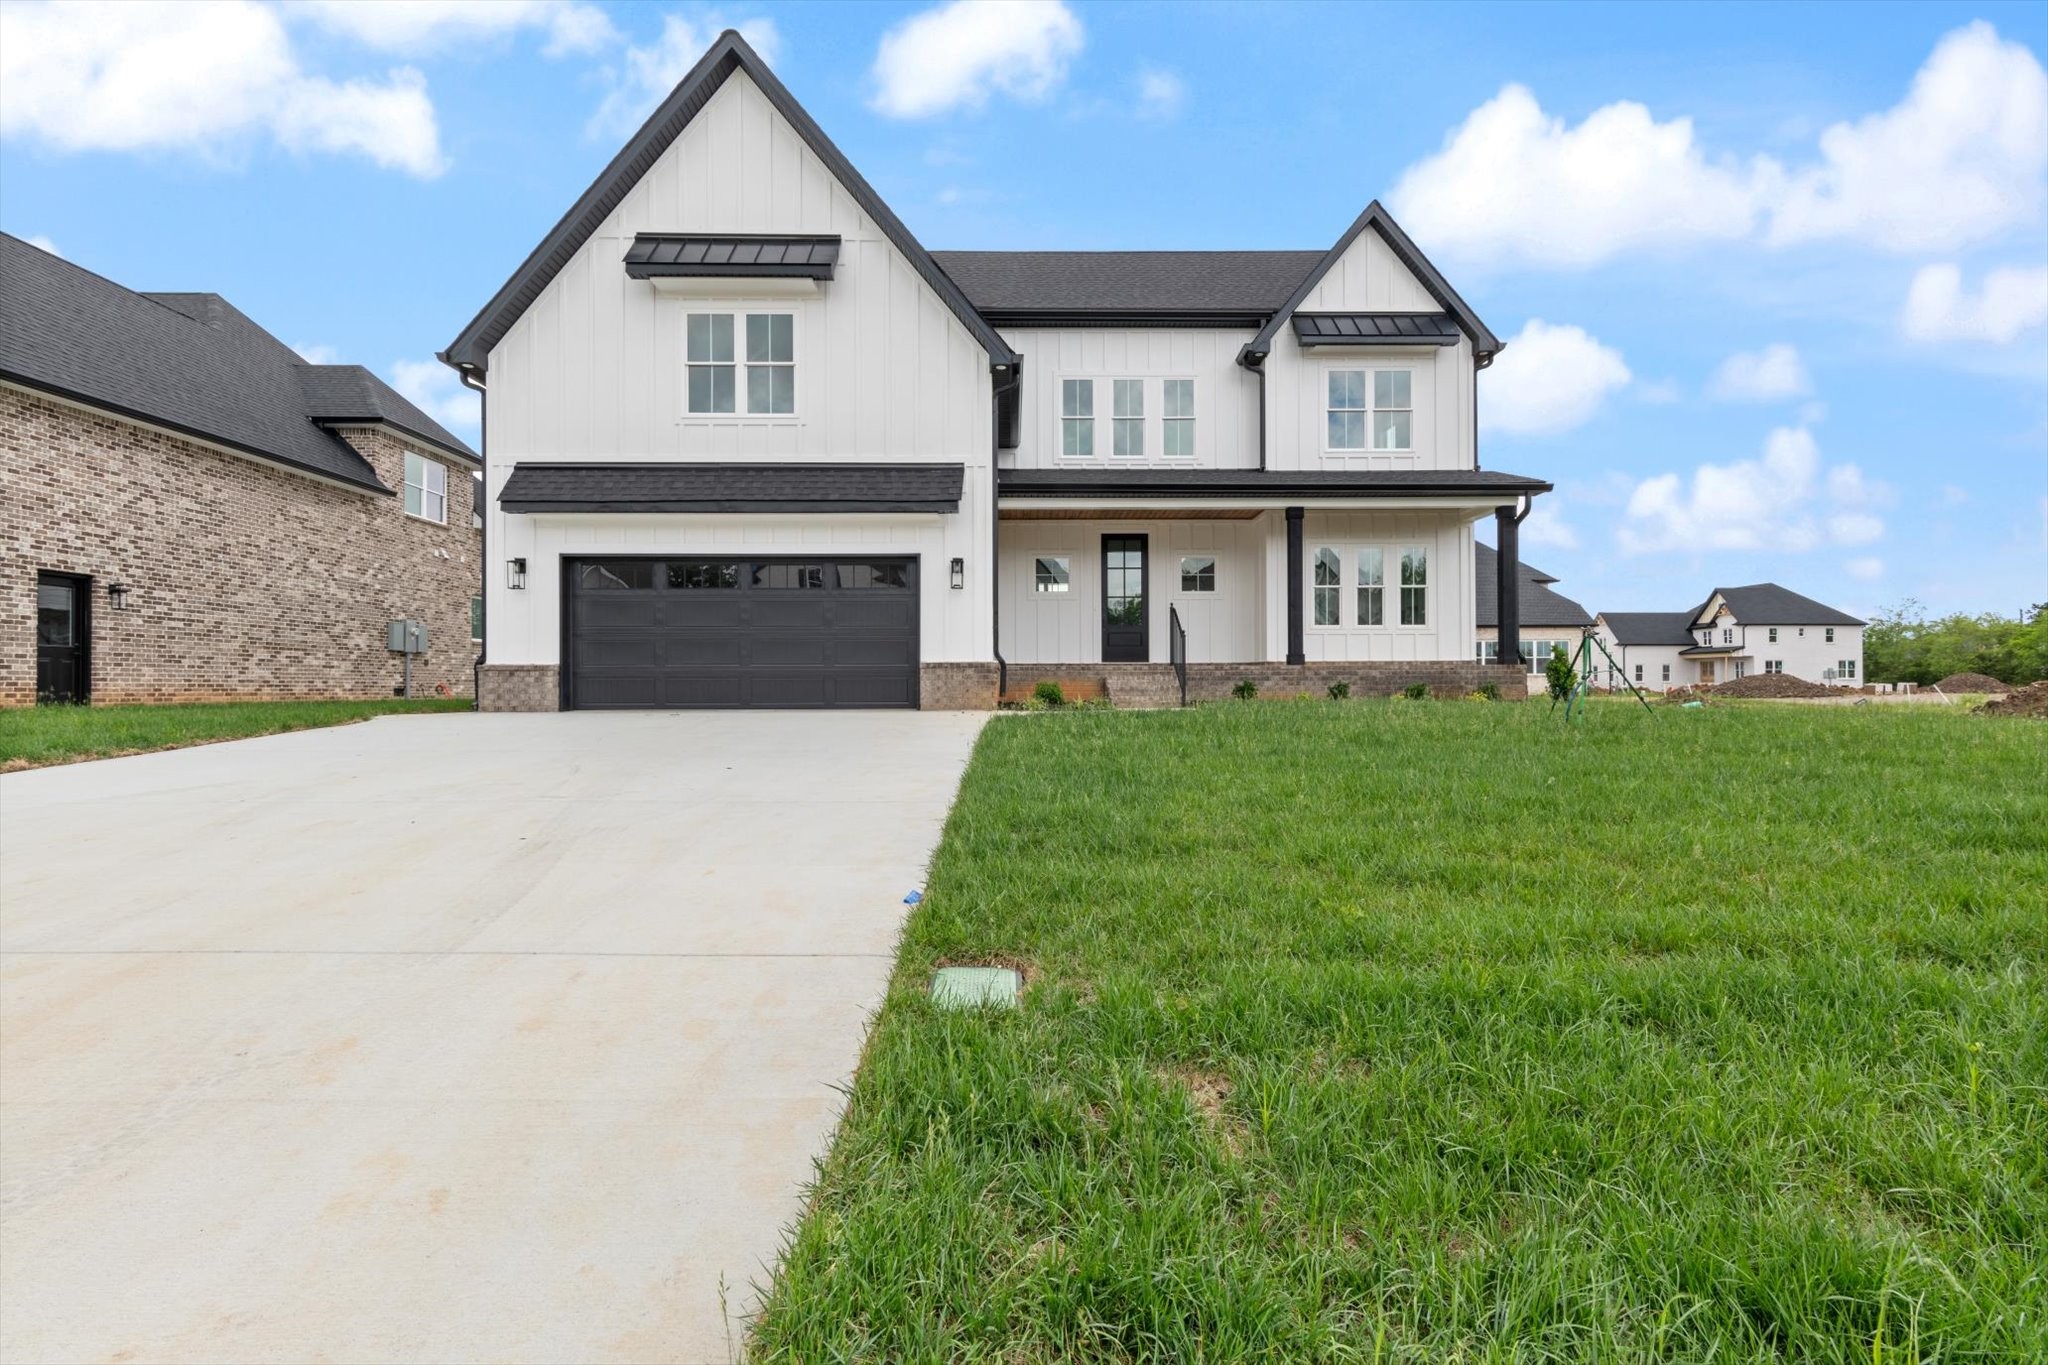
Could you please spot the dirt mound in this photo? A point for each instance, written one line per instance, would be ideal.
(1972, 682)
(2031, 700)
(1771, 686)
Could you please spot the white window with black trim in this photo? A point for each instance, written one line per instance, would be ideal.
(718, 346)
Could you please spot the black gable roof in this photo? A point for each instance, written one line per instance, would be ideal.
(190, 363)
(1649, 627)
(1767, 604)
(1540, 606)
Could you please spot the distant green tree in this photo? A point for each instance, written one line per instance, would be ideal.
(1902, 644)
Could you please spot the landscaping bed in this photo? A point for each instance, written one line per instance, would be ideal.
(1449, 1031)
(37, 736)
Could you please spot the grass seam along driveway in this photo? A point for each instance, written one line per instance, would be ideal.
(38, 736)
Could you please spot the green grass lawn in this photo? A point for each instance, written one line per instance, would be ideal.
(32, 737)
(1438, 1031)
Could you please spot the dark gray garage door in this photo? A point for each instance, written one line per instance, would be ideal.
(675, 632)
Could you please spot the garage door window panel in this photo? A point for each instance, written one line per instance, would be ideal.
(698, 574)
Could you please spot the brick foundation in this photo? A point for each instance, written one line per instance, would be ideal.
(245, 581)
(519, 687)
(956, 687)
(1375, 678)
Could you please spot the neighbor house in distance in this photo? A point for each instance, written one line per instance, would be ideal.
(1550, 620)
(194, 513)
(1761, 628)
(751, 444)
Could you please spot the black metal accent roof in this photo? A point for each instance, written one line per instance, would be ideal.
(1540, 606)
(737, 255)
(1484, 342)
(1375, 329)
(645, 487)
(1649, 627)
(1231, 483)
(1767, 604)
(1127, 288)
(728, 54)
(193, 364)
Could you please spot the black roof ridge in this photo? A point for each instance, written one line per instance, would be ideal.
(727, 54)
(1129, 251)
(1375, 216)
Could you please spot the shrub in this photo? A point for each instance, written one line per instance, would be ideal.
(1560, 674)
(1488, 692)
(1339, 691)
(1245, 690)
(1416, 691)
(1049, 693)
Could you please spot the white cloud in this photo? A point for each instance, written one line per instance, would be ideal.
(1785, 501)
(1161, 94)
(955, 55)
(418, 26)
(1958, 160)
(42, 243)
(438, 393)
(1767, 376)
(1548, 379)
(1515, 184)
(204, 77)
(317, 353)
(1546, 527)
(646, 74)
(1866, 567)
(1938, 308)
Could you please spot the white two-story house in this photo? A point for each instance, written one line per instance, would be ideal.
(749, 443)
(1758, 628)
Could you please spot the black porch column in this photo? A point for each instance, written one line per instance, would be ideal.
(1509, 583)
(1294, 650)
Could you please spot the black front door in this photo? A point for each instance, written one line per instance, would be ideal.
(63, 637)
(1124, 633)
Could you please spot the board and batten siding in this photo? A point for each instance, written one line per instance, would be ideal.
(594, 370)
(1226, 396)
(1222, 627)
(1447, 634)
(1369, 278)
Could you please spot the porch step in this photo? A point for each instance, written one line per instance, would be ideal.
(1142, 687)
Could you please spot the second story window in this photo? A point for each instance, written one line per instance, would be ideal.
(1375, 403)
(1179, 443)
(1077, 417)
(426, 488)
(771, 363)
(1774, 634)
(1831, 635)
(709, 352)
(1127, 417)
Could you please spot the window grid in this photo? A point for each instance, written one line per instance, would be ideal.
(1381, 402)
(1077, 417)
(1198, 573)
(771, 363)
(709, 358)
(1372, 587)
(1328, 579)
(1178, 407)
(1127, 418)
(426, 488)
(1414, 586)
(1051, 573)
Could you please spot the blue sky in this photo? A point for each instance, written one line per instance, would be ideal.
(1775, 277)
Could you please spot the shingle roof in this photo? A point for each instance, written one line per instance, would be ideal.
(1767, 604)
(1540, 606)
(1008, 282)
(1649, 627)
(1375, 329)
(743, 255)
(1308, 483)
(645, 487)
(191, 363)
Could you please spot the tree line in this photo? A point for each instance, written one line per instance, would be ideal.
(1904, 644)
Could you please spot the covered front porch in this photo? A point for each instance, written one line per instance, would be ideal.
(1129, 584)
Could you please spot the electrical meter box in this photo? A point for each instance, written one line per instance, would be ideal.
(406, 637)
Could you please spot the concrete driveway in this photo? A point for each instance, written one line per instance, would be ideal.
(440, 1038)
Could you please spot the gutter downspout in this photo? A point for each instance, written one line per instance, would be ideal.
(995, 521)
(483, 553)
(1255, 361)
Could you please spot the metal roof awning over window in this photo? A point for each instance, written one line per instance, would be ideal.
(1375, 329)
(666, 255)
(630, 488)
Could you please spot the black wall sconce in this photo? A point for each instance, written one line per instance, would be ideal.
(959, 573)
(515, 573)
(117, 596)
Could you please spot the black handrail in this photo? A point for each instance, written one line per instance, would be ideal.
(1177, 649)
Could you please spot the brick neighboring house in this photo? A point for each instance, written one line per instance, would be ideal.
(192, 512)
